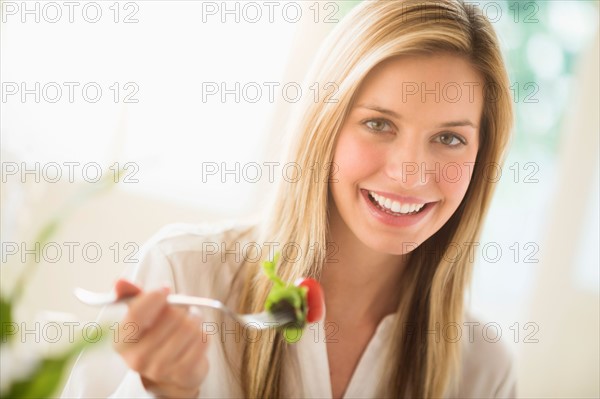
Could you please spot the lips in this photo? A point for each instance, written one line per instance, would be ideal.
(385, 209)
(393, 206)
(390, 218)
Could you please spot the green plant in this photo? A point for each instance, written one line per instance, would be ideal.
(42, 379)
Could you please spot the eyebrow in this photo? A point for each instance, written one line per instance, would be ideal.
(463, 122)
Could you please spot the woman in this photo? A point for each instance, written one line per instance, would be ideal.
(421, 107)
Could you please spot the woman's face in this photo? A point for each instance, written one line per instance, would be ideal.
(405, 154)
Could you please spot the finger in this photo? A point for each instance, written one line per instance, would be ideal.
(142, 356)
(194, 362)
(145, 307)
(189, 331)
(124, 289)
(162, 365)
(168, 341)
(143, 312)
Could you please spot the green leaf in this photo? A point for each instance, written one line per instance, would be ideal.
(47, 376)
(292, 294)
(48, 231)
(5, 319)
(286, 298)
(292, 334)
(269, 269)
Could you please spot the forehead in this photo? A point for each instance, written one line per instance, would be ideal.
(437, 85)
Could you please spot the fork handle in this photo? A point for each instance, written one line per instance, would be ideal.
(180, 299)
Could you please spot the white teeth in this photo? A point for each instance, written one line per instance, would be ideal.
(395, 206)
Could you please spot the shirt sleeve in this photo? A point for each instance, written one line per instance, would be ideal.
(99, 372)
(192, 259)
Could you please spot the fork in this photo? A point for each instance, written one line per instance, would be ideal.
(259, 321)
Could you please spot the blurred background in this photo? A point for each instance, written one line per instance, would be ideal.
(191, 99)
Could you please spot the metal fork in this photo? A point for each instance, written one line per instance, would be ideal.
(259, 321)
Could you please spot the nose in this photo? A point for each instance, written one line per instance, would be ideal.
(408, 166)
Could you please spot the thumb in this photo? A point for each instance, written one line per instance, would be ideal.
(124, 289)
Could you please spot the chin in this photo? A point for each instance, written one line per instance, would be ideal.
(391, 247)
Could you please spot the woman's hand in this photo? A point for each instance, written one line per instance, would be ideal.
(163, 343)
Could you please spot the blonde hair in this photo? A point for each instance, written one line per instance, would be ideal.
(433, 285)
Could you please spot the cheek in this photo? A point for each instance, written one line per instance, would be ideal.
(355, 158)
(454, 182)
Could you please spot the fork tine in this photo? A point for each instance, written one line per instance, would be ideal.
(266, 320)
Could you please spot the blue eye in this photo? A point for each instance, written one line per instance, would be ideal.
(377, 125)
(451, 139)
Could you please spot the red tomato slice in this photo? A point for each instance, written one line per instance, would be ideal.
(314, 298)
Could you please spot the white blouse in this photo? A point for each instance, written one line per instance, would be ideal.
(201, 260)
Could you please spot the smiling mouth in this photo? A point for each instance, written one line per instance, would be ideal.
(390, 212)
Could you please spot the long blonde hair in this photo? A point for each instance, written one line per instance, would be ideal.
(434, 284)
